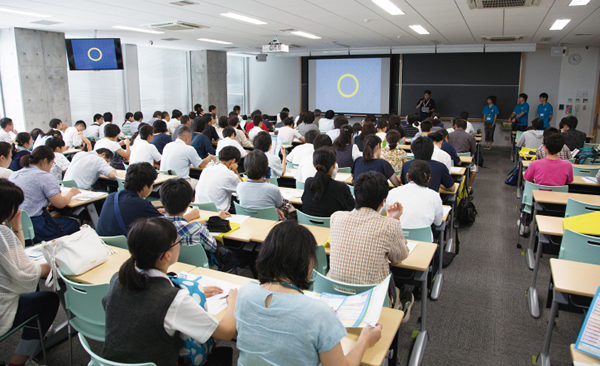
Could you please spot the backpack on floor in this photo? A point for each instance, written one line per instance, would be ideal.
(512, 177)
(465, 209)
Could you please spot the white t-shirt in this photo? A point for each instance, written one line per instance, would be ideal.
(72, 138)
(288, 134)
(40, 141)
(275, 165)
(177, 156)
(228, 141)
(107, 144)
(4, 136)
(95, 130)
(300, 152)
(217, 184)
(172, 125)
(5, 173)
(85, 168)
(334, 134)
(442, 156)
(325, 124)
(144, 152)
(253, 132)
(61, 163)
(305, 169)
(470, 128)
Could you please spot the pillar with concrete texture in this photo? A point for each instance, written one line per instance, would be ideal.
(33, 68)
(209, 79)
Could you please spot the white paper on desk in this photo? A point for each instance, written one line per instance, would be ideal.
(577, 363)
(411, 245)
(35, 252)
(455, 169)
(593, 180)
(289, 194)
(238, 219)
(88, 196)
(342, 176)
(217, 303)
(446, 210)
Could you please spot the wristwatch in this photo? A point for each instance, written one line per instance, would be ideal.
(18, 231)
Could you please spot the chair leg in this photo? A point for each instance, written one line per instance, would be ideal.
(39, 325)
(70, 345)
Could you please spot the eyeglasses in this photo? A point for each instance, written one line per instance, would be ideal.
(171, 247)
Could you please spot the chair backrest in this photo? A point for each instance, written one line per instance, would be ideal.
(274, 181)
(572, 160)
(126, 166)
(299, 185)
(351, 189)
(208, 206)
(527, 199)
(291, 166)
(28, 231)
(194, 255)
(345, 170)
(69, 184)
(312, 220)
(325, 284)
(591, 145)
(464, 154)
(321, 264)
(585, 172)
(269, 213)
(85, 301)
(580, 248)
(576, 208)
(165, 172)
(591, 161)
(518, 135)
(119, 241)
(418, 234)
(99, 361)
(121, 184)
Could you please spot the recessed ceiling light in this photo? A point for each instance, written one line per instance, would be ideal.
(243, 18)
(304, 34)
(419, 29)
(137, 29)
(26, 13)
(214, 41)
(388, 6)
(560, 24)
(579, 2)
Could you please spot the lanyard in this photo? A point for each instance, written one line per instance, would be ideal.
(291, 286)
(425, 104)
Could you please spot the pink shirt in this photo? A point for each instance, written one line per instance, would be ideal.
(549, 172)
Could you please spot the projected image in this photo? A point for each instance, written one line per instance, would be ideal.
(94, 54)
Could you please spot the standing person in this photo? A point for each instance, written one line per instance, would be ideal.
(23, 142)
(545, 110)
(490, 113)
(6, 127)
(520, 115)
(426, 105)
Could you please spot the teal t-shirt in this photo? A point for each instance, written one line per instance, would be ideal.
(489, 113)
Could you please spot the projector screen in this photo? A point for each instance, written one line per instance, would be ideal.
(349, 85)
(94, 54)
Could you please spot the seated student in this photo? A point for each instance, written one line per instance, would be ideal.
(264, 143)
(284, 265)
(6, 128)
(367, 129)
(308, 124)
(250, 124)
(356, 128)
(20, 300)
(551, 171)
(96, 129)
(41, 189)
(322, 194)
(86, 168)
(160, 314)
(371, 161)
(42, 137)
(255, 127)
(218, 182)
(61, 163)
(111, 132)
(306, 168)
(139, 181)
(183, 121)
(126, 125)
(266, 122)
(425, 128)
(532, 138)
(395, 123)
(280, 118)
(200, 142)
(137, 119)
(392, 153)
(564, 153)
(179, 155)
(422, 205)
(210, 131)
(382, 127)
(439, 154)
(412, 125)
(423, 148)
(463, 142)
(240, 135)
(161, 135)
(155, 116)
(288, 133)
(173, 122)
(437, 122)
(5, 159)
(221, 124)
(326, 123)
(23, 142)
(143, 151)
(301, 151)
(338, 122)
(345, 151)
(574, 138)
(74, 136)
(364, 243)
(256, 192)
(447, 147)
(228, 139)
(464, 115)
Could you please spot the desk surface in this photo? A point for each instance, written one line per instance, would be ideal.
(575, 278)
(550, 225)
(458, 171)
(71, 151)
(466, 159)
(76, 203)
(160, 179)
(250, 230)
(577, 180)
(560, 198)
(452, 190)
(583, 357)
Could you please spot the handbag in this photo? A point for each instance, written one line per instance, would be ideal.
(74, 254)
(215, 224)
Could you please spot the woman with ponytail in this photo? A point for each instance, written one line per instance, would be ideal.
(23, 142)
(345, 150)
(371, 161)
(392, 153)
(322, 194)
(147, 316)
(41, 189)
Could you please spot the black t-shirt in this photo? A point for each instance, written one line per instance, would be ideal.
(211, 132)
(428, 104)
(337, 197)
(377, 165)
(439, 175)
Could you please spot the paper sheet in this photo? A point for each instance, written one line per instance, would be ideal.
(411, 245)
(446, 210)
(455, 169)
(88, 196)
(239, 219)
(342, 176)
(35, 252)
(217, 303)
(590, 179)
(288, 194)
(588, 340)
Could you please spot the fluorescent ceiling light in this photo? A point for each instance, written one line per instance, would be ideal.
(560, 24)
(419, 29)
(388, 6)
(214, 41)
(243, 18)
(26, 13)
(579, 2)
(137, 29)
(304, 34)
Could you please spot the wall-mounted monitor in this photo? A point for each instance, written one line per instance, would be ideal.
(94, 54)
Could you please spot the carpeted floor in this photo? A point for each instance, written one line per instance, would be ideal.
(481, 317)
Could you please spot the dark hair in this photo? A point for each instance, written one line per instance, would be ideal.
(80, 123)
(232, 114)
(370, 143)
(233, 121)
(140, 175)
(437, 136)
(426, 125)
(229, 131)
(443, 132)
(265, 117)
(230, 153)
(544, 95)
(464, 115)
(554, 143)
(164, 115)
(236, 108)
(5, 122)
(97, 116)
(223, 121)
(329, 114)
(287, 254)
(339, 121)
(538, 123)
(198, 125)
(12, 197)
(492, 98)
(128, 115)
(422, 148)
(5, 150)
(138, 116)
(184, 130)
(193, 115)
(34, 133)
(283, 115)
(136, 134)
(321, 140)
(571, 122)
(420, 173)
(371, 118)
(392, 137)
(257, 112)
(176, 113)
(160, 126)
(427, 91)
(146, 132)
(524, 96)
(286, 122)
(356, 128)
(317, 113)
(111, 130)
(368, 129)
(54, 142)
(39, 154)
(108, 117)
(257, 119)
(262, 141)
(461, 123)
(256, 164)
(176, 195)
(107, 153)
(211, 108)
(147, 240)
(198, 108)
(54, 122)
(345, 137)
(381, 124)
(549, 131)
(309, 117)
(370, 189)
(323, 159)
(156, 114)
(184, 120)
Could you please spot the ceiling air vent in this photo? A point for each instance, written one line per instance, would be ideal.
(45, 22)
(502, 39)
(183, 3)
(177, 26)
(546, 40)
(495, 4)
(170, 39)
(231, 47)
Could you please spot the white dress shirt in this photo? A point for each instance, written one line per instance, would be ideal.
(288, 134)
(177, 156)
(442, 156)
(85, 168)
(172, 125)
(217, 184)
(253, 132)
(72, 138)
(95, 130)
(107, 144)
(4, 136)
(300, 152)
(144, 152)
(228, 141)
(325, 124)
(334, 134)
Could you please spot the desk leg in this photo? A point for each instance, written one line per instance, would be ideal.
(544, 358)
(512, 147)
(450, 242)
(421, 342)
(520, 179)
(532, 235)
(532, 297)
(439, 276)
(394, 349)
(91, 209)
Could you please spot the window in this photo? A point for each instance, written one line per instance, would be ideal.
(237, 83)
(92, 92)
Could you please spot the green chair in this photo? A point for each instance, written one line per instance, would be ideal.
(418, 234)
(269, 213)
(464, 154)
(165, 172)
(99, 361)
(23, 325)
(194, 255)
(572, 161)
(208, 206)
(591, 146)
(345, 170)
(119, 241)
(69, 184)
(351, 189)
(274, 181)
(321, 264)
(121, 184)
(580, 248)
(527, 199)
(28, 231)
(518, 136)
(312, 220)
(323, 284)
(585, 172)
(576, 208)
(299, 185)
(289, 165)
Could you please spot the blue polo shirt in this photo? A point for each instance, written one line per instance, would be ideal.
(522, 108)
(489, 114)
(132, 207)
(544, 112)
(377, 165)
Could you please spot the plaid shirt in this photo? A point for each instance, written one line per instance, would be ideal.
(193, 233)
(564, 153)
(362, 243)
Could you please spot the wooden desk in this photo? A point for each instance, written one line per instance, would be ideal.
(560, 198)
(296, 199)
(458, 171)
(72, 151)
(466, 159)
(250, 230)
(577, 180)
(453, 190)
(160, 179)
(404, 147)
(577, 356)
(550, 225)
(76, 203)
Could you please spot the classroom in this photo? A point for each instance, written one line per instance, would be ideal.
(276, 182)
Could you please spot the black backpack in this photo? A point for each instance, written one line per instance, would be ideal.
(466, 213)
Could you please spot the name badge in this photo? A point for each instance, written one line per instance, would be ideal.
(425, 109)
(489, 118)
(541, 114)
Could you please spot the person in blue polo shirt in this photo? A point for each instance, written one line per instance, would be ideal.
(490, 112)
(545, 110)
(520, 115)
(426, 105)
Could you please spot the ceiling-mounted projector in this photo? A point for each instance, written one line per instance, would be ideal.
(275, 47)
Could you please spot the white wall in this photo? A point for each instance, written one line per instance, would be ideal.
(541, 74)
(275, 84)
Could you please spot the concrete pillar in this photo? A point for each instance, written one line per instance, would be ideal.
(209, 79)
(131, 77)
(33, 66)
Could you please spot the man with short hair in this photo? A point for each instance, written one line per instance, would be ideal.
(74, 136)
(317, 113)
(574, 138)
(288, 133)
(210, 131)
(520, 115)
(86, 167)
(137, 119)
(306, 169)
(219, 182)
(7, 126)
(426, 105)
(111, 133)
(57, 125)
(174, 121)
(439, 154)
(96, 131)
(464, 142)
(304, 150)
(545, 110)
(229, 140)
(326, 124)
(541, 153)
(156, 115)
(423, 149)
(257, 127)
(143, 151)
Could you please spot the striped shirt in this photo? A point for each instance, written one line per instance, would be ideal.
(193, 233)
